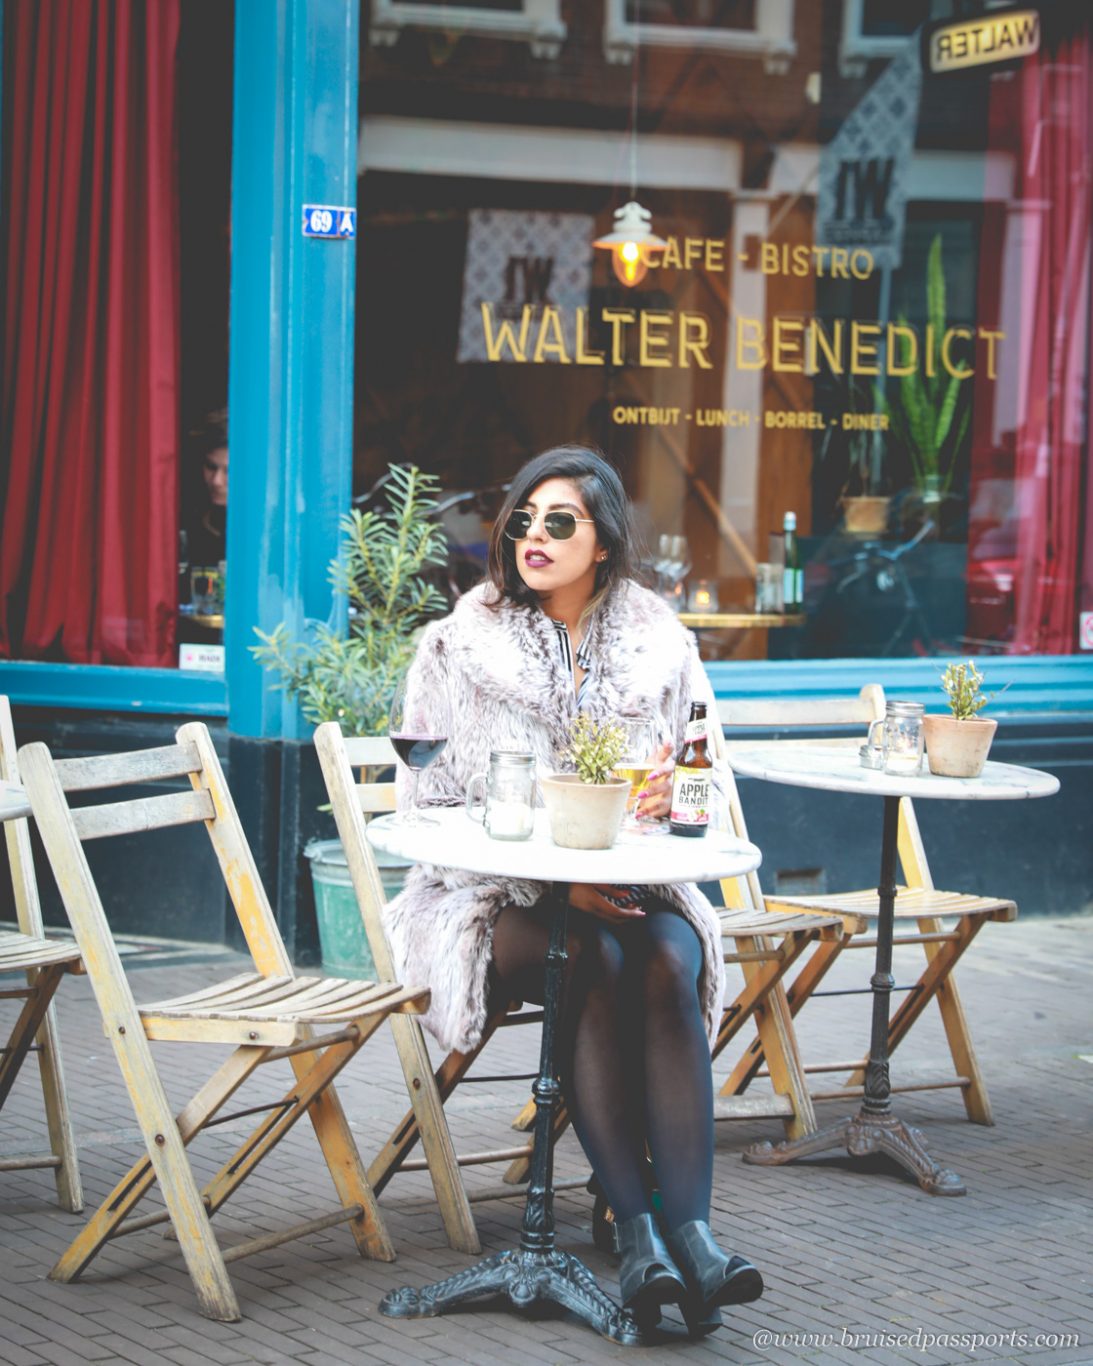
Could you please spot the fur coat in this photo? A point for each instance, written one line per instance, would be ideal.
(507, 688)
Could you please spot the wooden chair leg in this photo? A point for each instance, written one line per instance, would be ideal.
(775, 1026)
(812, 973)
(436, 1140)
(39, 991)
(762, 979)
(111, 1214)
(62, 1140)
(166, 1162)
(407, 1132)
(937, 982)
(337, 1142)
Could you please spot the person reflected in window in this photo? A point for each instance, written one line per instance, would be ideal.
(561, 628)
(206, 543)
(202, 541)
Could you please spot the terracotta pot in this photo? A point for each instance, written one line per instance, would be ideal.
(865, 516)
(583, 815)
(958, 749)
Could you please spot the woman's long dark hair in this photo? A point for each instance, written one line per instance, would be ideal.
(606, 501)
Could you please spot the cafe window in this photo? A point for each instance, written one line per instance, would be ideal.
(535, 22)
(115, 170)
(870, 311)
(877, 29)
(758, 27)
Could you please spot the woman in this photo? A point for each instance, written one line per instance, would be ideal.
(560, 626)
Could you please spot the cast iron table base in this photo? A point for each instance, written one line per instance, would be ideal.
(874, 1128)
(536, 1274)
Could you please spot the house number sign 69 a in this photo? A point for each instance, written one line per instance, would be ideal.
(337, 221)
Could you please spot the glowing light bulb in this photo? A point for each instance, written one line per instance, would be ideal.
(628, 263)
(632, 244)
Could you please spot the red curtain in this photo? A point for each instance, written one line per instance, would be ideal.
(89, 389)
(1032, 424)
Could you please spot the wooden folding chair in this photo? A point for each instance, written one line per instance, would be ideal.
(317, 1024)
(918, 902)
(351, 800)
(42, 963)
(766, 943)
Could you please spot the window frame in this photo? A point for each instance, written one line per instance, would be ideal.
(771, 39)
(858, 49)
(537, 23)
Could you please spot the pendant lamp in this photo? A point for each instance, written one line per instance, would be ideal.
(632, 243)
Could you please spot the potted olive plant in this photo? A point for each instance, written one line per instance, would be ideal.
(957, 745)
(351, 676)
(585, 808)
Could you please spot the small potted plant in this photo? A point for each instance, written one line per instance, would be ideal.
(957, 745)
(586, 807)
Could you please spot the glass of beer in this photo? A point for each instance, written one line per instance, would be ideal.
(637, 762)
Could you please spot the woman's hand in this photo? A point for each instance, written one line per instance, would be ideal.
(592, 897)
(655, 798)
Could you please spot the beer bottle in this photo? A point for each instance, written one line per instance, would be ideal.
(690, 814)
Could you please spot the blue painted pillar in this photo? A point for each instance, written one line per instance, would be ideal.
(290, 390)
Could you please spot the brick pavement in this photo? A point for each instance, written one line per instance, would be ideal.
(853, 1253)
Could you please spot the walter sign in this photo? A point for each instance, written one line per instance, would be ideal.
(990, 38)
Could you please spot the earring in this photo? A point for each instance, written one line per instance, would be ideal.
(600, 558)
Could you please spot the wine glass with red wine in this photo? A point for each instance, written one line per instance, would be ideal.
(417, 739)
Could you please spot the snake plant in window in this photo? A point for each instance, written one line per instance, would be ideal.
(931, 411)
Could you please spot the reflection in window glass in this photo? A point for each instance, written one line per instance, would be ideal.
(869, 310)
(507, 6)
(893, 18)
(693, 13)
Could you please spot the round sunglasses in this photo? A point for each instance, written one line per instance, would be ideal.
(559, 525)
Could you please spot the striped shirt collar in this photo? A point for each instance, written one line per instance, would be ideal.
(583, 657)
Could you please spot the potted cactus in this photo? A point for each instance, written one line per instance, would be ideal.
(957, 745)
(585, 807)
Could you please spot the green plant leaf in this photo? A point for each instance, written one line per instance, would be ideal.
(380, 569)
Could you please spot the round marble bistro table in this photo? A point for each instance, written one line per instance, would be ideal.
(537, 1272)
(836, 768)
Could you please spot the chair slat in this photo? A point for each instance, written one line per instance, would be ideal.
(143, 813)
(369, 750)
(21, 951)
(115, 770)
(913, 903)
(340, 999)
(376, 796)
(820, 711)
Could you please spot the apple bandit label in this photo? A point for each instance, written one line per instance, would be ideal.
(691, 797)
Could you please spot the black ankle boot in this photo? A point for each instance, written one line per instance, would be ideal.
(713, 1278)
(648, 1277)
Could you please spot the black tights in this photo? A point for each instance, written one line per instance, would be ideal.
(634, 1059)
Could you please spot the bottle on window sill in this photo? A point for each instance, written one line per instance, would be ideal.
(792, 574)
